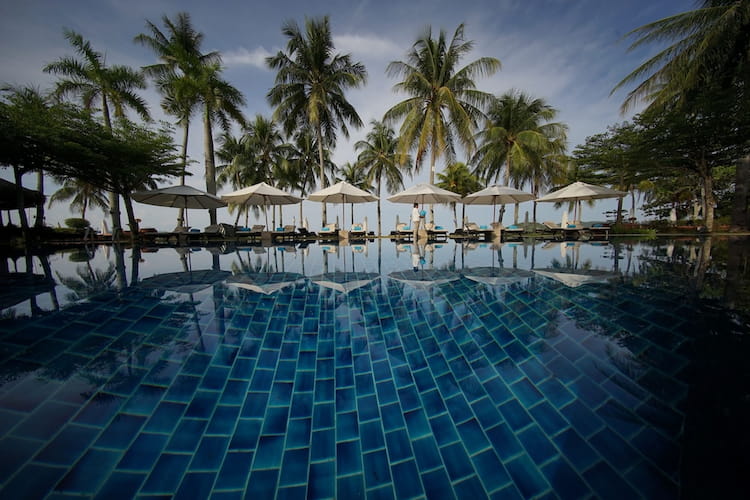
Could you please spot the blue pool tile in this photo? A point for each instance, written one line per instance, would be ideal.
(121, 431)
(548, 418)
(437, 484)
(187, 435)
(100, 409)
(607, 483)
(526, 392)
(416, 423)
(294, 467)
(302, 405)
(196, 485)
(255, 405)
(490, 470)
(345, 399)
(350, 486)
(575, 449)
(246, 434)
(404, 475)
(348, 458)
(323, 445)
(165, 417)
(398, 445)
(223, 420)
(443, 429)
(472, 436)
(121, 485)
(16, 451)
(287, 493)
(264, 482)
(89, 472)
(209, 454)
(458, 408)
(471, 487)
(392, 417)
(64, 449)
(527, 477)
(447, 385)
(504, 441)
(537, 444)
(324, 415)
(143, 453)
(235, 469)
(322, 480)
(276, 419)
(269, 453)
(346, 426)
(565, 481)
(371, 434)
(182, 389)
(368, 408)
(45, 421)
(615, 449)
(582, 418)
(426, 453)
(557, 394)
(456, 460)
(298, 433)
(33, 481)
(409, 398)
(588, 392)
(652, 482)
(497, 390)
(515, 414)
(376, 468)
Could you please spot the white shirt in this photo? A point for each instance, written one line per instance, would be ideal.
(415, 214)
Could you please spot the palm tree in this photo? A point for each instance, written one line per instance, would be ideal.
(518, 139)
(444, 105)
(221, 104)
(310, 85)
(458, 178)
(380, 161)
(708, 54)
(82, 195)
(354, 174)
(179, 50)
(91, 80)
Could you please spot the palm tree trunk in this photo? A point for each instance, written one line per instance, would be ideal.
(183, 157)
(132, 221)
(114, 199)
(319, 132)
(208, 144)
(40, 207)
(18, 174)
(380, 195)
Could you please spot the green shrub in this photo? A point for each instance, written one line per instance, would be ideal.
(77, 223)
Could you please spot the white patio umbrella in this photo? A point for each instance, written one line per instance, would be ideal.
(261, 194)
(425, 193)
(580, 191)
(342, 192)
(179, 197)
(497, 195)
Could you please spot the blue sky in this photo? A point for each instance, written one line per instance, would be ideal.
(571, 53)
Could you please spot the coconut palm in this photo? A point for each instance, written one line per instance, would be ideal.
(518, 139)
(380, 161)
(310, 85)
(709, 46)
(179, 52)
(444, 106)
(458, 178)
(221, 104)
(91, 80)
(82, 195)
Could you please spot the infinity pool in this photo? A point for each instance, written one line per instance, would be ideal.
(555, 370)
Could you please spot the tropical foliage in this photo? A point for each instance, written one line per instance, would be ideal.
(381, 163)
(444, 107)
(310, 84)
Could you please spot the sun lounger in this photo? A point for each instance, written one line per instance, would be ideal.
(284, 233)
(599, 230)
(329, 231)
(568, 231)
(436, 232)
(358, 231)
(474, 230)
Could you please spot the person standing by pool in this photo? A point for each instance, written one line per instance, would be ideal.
(415, 218)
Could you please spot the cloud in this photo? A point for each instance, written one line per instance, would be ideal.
(244, 57)
(369, 46)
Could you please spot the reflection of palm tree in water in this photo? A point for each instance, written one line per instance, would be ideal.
(89, 282)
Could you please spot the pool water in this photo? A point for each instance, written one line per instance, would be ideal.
(556, 370)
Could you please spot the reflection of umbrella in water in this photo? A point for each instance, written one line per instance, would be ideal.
(576, 278)
(19, 287)
(424, 278)
(495, 276)
(344, 282)
(265, 283)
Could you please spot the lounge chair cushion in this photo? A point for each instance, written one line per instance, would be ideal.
(357, 228)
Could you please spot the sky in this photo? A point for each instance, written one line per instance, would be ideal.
(570, 53)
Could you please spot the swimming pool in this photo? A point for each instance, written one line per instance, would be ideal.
(377, 370)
